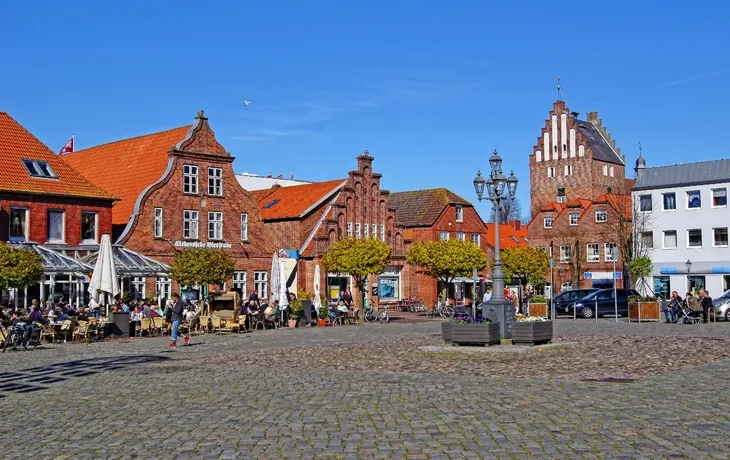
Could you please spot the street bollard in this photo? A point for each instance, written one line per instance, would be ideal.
(595, 312)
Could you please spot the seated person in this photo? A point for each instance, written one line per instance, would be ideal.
(82, 316)
(136, 315)
(155, 312)
(36, 316)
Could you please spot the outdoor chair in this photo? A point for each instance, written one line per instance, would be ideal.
(158, 326)
(47, 331)
(204, 324)
(272, 319)
(260, 319)
(216, 324)
(80, 332)
(242, 323)
(65, 330)
(339, 318)
(144, 326)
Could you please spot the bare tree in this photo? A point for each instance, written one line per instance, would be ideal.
(569, 246)
(509, 210)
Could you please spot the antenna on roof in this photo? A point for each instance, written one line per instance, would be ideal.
(560, 93)
(639, 148)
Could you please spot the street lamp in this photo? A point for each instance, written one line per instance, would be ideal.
(498, 188)
(688, 264)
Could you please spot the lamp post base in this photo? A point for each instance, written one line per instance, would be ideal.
(502, 312)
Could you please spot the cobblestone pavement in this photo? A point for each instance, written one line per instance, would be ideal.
(134, 398)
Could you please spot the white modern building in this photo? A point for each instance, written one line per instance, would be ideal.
(253, 182)
(682, 219)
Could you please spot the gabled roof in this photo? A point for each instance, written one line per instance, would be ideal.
(620, 203)
(17, 144)
(602, 150)
(704, 172)
(127, 167)
(509, 237)
(294, 201)
(421, 208)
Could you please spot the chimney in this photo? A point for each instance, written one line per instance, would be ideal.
(516, 224)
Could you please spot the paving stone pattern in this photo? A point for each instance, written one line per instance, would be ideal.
(223, 398)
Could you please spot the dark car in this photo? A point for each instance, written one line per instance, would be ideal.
(566, 298)
(603, 301)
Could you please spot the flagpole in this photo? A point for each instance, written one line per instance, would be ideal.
(73, 142)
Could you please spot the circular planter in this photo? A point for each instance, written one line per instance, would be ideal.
(322, 322)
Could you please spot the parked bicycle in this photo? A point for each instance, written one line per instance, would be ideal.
(372, 314)
(443, 309)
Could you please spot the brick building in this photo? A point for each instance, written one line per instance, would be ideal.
(47, 206)
(574, 159)
(580, 235)
(308, 218)
(177, 190)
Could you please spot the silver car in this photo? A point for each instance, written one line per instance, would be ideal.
(722, 306)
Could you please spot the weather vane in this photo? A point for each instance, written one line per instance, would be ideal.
(640, 148)
(560, 94)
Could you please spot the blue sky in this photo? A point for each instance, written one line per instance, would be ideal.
(429, 88)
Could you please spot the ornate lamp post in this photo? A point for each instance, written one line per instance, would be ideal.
(688, 265)
(498, 188)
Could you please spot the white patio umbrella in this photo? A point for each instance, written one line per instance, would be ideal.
(317, 301)
(274, 287)
(283, 298)
(104, 281)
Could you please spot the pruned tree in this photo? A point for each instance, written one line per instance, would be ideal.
(19, 268)
(202, 267)
(529, 265)
(357, 258)
(569, 244)
(640, 269)
(447, 259)
(509, 210)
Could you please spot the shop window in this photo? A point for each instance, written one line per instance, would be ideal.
(260, 284)
(695, 283)
(244, 227)
(388, 287)
(158, 222)
(89, 228)
(215, 225)
(190, 179)
(662, 288)
(18, 224)
(215, 181)
(56, 221)
(190, 224)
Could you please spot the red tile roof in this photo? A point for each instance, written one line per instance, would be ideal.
(421, 208)
(127, 167)
(16, 144)
(506, 233)
(294, 201)
(620, 203)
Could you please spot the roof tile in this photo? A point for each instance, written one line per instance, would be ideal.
(421, 208)
(16, 144)
(292, 202)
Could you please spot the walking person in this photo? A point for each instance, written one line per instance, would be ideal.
(706, 304)
(175, 316)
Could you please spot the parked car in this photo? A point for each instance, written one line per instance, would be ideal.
(722, 306)
(565, 298)
(603, 300)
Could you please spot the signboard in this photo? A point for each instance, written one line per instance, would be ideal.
(602, 275)
(200, 244)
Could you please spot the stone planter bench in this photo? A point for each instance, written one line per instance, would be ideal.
(532, 333)
(644, 311)
(446, 331)
(475, 334)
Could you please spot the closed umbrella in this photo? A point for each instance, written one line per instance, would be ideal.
(274, 279)
(283, 298)
(317, 301)
(104, 282)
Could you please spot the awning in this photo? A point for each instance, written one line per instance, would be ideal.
(53, 262)
(680, 268)
(130, 263)
(463, 279)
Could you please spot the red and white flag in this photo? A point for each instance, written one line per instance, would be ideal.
(68, 148)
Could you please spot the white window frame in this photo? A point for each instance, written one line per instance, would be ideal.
(568, 170)
(96, 228)
(566, 253)
(26, 224)
(261, 284)
(163, 288)
(712, 197)
(664, 239)
(604, 213)
(36, 164)
(610, 171)
(444, 235)
(699, 194)
(158, 222)
(643, 242)
(374, 231)
(664, 202)
(63, 226)
(358, 233)
(477, 240)
(366, 231)
(135, 283)
(190, 179)
(239, 281)
(571, 219)
(382, 232)
(607, 254)
(551, 171)
(244, 226)
(641, 200)
(596, 255)
(215, 232)
(605, 170)
(191, 218)
(215, 181)
(461, 236)
(459, 213)
(547, 222)
(701, 238)
(714, 237)
(349, 229)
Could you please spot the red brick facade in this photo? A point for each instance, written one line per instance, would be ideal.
(199, 149)
(38, 206)
(576, 156)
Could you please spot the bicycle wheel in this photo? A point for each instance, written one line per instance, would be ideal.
(385, 319)
(370, 316)
(448, 311)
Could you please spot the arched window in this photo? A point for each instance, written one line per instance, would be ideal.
(605, 170)
(551, 171)
(568, 170)
(610, 171)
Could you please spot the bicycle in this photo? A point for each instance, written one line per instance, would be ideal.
(382, 317)
(445, 310)
(371, 313)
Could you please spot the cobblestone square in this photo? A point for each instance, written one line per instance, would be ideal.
(366, 392)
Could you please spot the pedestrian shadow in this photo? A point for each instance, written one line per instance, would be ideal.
(41, 377)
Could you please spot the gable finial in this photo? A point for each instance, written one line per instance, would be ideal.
(366, 153)
(560, 93)
(200, 115)
(640, 148)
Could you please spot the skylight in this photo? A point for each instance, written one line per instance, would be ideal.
(515, 240)
(271, 203)
(39, 169)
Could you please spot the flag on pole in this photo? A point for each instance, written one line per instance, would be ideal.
(69, 147)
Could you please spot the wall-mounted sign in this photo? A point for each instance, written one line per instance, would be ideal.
(200, 244)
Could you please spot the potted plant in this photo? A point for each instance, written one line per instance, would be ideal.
(532, 330)
(537, 306)
(296, 312)
(643, 308)
(324, 314)
(470, 331)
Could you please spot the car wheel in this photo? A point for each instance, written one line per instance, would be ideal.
(587, 312)
(727, 314)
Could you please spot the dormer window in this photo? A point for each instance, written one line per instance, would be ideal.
(39, 169)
